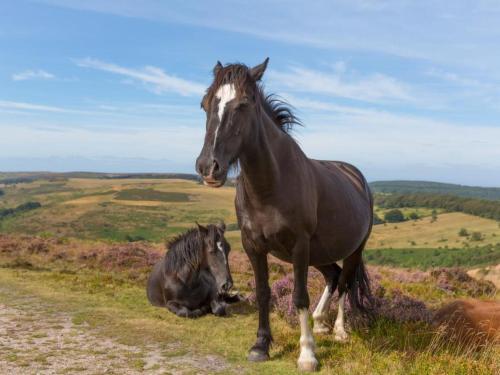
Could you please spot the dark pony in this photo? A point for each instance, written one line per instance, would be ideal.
(303, 211)
(193, 278)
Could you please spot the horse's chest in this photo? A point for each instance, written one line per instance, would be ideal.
(267, 229)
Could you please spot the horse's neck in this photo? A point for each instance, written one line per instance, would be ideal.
(260, 161)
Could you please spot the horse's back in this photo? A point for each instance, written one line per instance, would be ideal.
(155, 286)
(342, 171)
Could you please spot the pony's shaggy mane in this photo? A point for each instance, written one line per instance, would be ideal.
(237, 74)
(186, 249)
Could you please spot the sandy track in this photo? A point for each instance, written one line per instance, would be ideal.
(34, 339)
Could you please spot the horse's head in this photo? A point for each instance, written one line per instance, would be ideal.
(216, 250)
(230, 108)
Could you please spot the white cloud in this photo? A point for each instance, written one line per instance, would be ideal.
(153, 77)
(372, 88)
(32, 74)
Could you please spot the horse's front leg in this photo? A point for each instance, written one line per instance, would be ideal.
(260, 350)
(307, 360)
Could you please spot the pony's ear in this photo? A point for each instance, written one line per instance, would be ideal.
(221, 225)
(258, 71)
(201, 228)
(217, 68)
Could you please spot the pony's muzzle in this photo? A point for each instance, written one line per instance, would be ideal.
(226, 287)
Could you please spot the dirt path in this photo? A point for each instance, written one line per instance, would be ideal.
(36, 339)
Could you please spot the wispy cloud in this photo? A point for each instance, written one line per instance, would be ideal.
(153, 77)
(372, 88)
(32, 74)
(9, 105)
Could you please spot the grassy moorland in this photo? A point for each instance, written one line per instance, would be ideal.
(82, 253)
(101, 286)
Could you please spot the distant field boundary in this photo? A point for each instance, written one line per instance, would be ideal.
(27, 177)
(429, 187)
(426, 258)
(451, 203)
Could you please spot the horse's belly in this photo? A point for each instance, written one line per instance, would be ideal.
(336, 241)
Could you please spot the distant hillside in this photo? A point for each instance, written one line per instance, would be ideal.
(15, 178)
(408, 187)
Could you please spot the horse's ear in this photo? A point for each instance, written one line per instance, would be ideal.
(221, 225)
(258, 71)
(217, 68)
(201, 228)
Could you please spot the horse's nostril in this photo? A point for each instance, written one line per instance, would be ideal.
(215, 166)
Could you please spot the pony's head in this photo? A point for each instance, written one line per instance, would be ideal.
(216, 254)
(230, 107)
(201, 248)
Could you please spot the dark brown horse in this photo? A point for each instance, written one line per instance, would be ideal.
(303, 211)
(193, 278)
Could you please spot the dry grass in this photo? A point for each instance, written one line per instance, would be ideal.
(443, 232)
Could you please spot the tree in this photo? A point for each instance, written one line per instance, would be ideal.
(434, 216)
(394, 216)
(463, 232)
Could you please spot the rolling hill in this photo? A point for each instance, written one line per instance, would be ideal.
(406, 187)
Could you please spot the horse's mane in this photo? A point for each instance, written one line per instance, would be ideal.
(186, 250)
(277, 108)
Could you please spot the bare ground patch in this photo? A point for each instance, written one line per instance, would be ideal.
(37, 339)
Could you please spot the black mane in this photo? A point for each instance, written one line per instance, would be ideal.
(278, 109)
(186, 249)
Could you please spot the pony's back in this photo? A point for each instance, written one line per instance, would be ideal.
(155, 285)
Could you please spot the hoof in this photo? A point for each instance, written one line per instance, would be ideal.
(309, 365)
(341, 336)
(320, 328)
(257, 356)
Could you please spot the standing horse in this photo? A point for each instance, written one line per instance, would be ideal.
(193, 278)
(303, 211)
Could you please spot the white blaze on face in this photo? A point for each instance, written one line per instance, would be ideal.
(225, 94)
(221, 249)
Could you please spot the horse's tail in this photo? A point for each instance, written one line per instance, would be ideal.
(359, 290)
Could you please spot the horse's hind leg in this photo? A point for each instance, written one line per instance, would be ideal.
(331, 274)
(353, 282)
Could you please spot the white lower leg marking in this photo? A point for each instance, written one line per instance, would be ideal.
(319, 313)
(340, 333)
(307, 360)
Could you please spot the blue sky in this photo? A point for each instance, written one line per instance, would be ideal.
(403, 89)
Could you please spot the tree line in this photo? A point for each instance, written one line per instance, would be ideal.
(479, 207)
(429, 187)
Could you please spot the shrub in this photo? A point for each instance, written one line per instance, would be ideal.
(476, 236)
(232, 227)
(463, 232)
(19, 209)
(394, 216)
(413, 216)
(377, 220)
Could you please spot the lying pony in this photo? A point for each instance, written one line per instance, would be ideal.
(193, 278)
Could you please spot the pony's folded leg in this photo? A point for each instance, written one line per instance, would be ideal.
(218, 308)
(183, 311)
